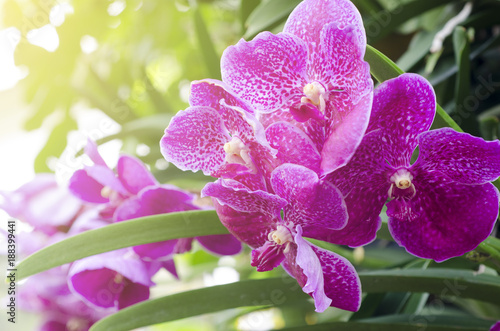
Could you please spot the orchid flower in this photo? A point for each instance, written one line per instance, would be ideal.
(312, 75)
(309, 205)
(442, 205)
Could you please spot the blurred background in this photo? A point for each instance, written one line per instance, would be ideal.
(117, 71)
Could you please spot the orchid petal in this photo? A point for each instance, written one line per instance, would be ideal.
(365, 188)
(285, 138)
(464, 158)
(403, 108)
(195, 140)
(345, 134)
(266, 72)
(223, 244)
(251, 228)
(311, 267)
(340, 65)
(240, 198)
(133, 174)
(86, 188)
(308, 19)
(131, 294)
(313, 203)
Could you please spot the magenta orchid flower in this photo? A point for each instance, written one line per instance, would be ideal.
(99, 184)
(312, 75)
(43, 204)
(218, 135)
(442, 205)
(309, 205)
(495, 327)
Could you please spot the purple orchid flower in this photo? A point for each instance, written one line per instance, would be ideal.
(114, 279)
(43, 204)
(442, 205)
(495, 327)
(312, 75)
(309, 205)
(99, 184)
(218, 135)
(168, 199)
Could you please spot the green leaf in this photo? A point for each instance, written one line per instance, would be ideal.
(461, 48)
(374, 326)
(269, 14)
(206, 45)
(123, 234)
(277, 291)
(442, 282)
(382, 68)
(261, 292)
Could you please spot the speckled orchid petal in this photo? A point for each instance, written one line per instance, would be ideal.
(133, 174)
(223, 244)
(266, 72)
(86, 188)
(312, 203)
(340, 65)
(239, 197)
(252, 228)
(310, 16)
(436, 223)
(464, 158)
(195, 140)
(365, 188)
(345, 133)
(285, 138)
(336, 280)
(237, 115)
(403, 108)
(341, 281)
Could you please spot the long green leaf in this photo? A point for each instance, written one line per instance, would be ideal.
(277, 291)
(375, 326)
(461, 47)
(382, 68)
(210, 55)
(124, 234)
(262, 292)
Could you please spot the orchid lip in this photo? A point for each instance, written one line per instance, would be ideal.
(401, 184)
(238, 152)
(315, 94)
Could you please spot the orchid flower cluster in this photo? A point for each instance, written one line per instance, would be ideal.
(76, 296)
(303, 146)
